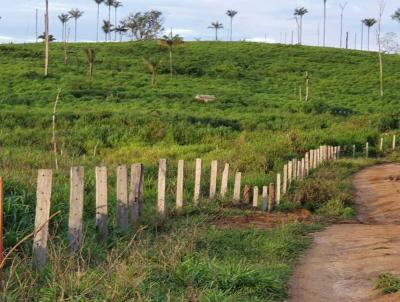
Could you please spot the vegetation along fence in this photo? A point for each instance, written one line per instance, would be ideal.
(130, 194)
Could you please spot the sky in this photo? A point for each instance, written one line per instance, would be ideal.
(257, 20)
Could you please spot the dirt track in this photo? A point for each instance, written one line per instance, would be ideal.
(344, 260)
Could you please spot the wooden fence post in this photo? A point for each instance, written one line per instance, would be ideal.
(367, 150)
(237, 188)
(265, 198)
(101, 201)
(137, 171)
(354, 151)
(303, 168)
(162, 175)
(290, 172)
(381, 145)
(285, 179)
(255, 197)
(246, 194)
(75, 223)
(122, 197)
(339, 152)
(271, 202)
(278, 188)
(224, 180)
(43, 197)
(179, 185)
(213, 179)
(197, 181)
(298, 172)
(306, 164)
(394, 142)
(294, 168)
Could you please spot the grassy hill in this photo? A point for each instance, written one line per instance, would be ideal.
(256, 124)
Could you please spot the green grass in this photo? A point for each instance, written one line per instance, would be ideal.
(256, 124)
(387, 283)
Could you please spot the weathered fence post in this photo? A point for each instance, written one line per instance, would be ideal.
(294, 169)
(339, 152)
(354, 151)
(75, 223)
(311, 159)
(101, 201)
(367, 150)
(381, 145)
(162, 175)
(278, 188)
(197, 181)
(265, 198)
(179, 185)
(290, 172)
(237, 188)
(224, 180)
(303, 168)
(271, 202)
(255, 197)
(213, 179)
(298, 172)
(306, 164)
(285, 179)
(122, 197)
(394, 142)
(246, 194)
(137, 171)
(43, 197)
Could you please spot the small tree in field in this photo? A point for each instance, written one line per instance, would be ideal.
(90, 57)
(171, 42)
(153, 64)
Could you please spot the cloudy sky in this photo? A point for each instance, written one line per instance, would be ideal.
(258, 20)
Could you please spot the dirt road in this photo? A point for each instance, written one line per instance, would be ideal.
(344, 260)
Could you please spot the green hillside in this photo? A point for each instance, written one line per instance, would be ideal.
(256, 123)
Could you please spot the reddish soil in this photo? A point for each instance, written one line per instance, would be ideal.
(263, 220)
(345, 259)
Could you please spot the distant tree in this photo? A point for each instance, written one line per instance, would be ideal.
(216, 26)
(171, 42)
(107, 28)
(153, 64)
(324, 34)
(109, 3)
(46, 39)
(120, 29)
(98, 2)
(90, 57)
(342, 8)
(76, 14)
(396, 15)
(369, 23)
(299, 14)
(231, 14)
(144, 26)
(116, 5)
(64, 18)
(43, 37)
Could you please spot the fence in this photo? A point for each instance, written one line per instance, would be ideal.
(130, 194)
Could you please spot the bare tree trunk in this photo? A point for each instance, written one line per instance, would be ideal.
(98, 17)
(46, 31)
(324, 42)
(54, 143)
(362, 35)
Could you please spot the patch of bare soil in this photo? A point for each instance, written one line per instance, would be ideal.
(263, 220)
(345, 259)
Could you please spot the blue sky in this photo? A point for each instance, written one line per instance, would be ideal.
(257, 19)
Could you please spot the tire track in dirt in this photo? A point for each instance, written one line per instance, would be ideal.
(345, 259)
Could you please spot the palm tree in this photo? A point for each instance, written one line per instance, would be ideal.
(170, 42)
(76, 14)
(342, 8)
(98, 2)
(299, 14)
(120, 29)
(396, 15)
(231, 14)
(369, 23)
(109, 3)
(107, 28)
(43, 37)
(324, 34)
(64, 19)
(116, 4)
(217, 26)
